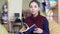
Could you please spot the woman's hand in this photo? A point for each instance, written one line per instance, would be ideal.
(38, 30)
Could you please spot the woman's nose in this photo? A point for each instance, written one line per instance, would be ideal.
(32, 8)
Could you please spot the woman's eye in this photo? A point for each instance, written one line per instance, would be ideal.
(30, 6)
(33, 6)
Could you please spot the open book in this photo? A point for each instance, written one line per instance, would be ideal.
(30, 29)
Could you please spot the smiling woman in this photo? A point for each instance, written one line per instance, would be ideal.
(40, 21)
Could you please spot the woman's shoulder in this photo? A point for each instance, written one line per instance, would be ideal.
(28, 17)
(45, 19)
(42, 16)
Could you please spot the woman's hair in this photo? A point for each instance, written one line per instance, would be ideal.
(38, 3)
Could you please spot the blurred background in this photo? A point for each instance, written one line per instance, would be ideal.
(13, 13)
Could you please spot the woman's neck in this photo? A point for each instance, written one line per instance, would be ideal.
(35, 15)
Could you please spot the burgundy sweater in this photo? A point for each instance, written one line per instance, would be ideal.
(40, 21)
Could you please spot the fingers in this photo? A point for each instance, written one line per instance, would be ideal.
(38, 30)
(34, 31)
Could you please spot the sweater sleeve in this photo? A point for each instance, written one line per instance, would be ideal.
(46, 27)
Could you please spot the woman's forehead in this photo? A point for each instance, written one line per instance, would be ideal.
(34, 3)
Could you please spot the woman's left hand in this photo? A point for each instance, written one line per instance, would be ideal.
(38, 30)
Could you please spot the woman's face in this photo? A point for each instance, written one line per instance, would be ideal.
(34, 8)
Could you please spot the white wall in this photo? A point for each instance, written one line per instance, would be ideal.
(14, 6)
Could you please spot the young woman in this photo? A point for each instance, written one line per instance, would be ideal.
(40, 21)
